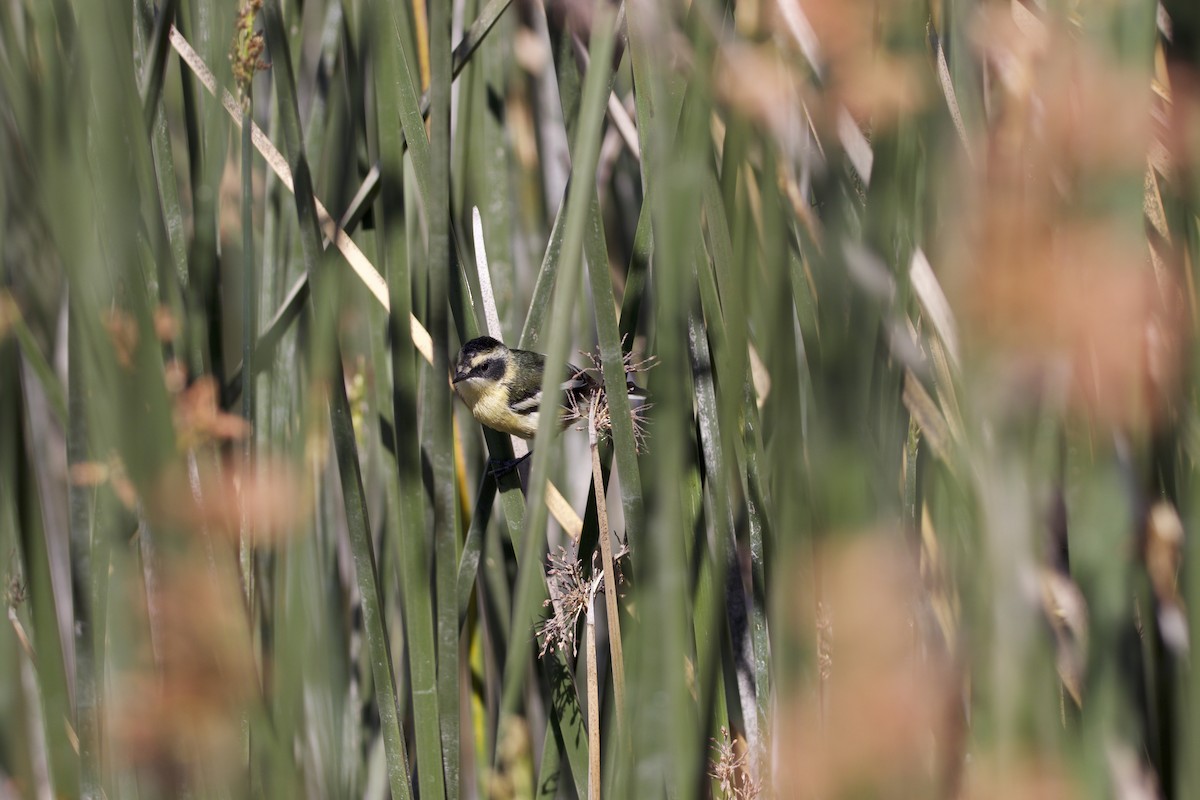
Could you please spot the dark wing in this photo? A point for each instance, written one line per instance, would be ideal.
(525, 388)
(638, 396)
(525, 391)
(579, 384)
(525, 401)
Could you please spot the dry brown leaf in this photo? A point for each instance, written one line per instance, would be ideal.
(183, 699)
(166, 325)
(268, 500)
(198, 418)
(123, 333)
(10, 313)
(1028, 779)
(883, 715)
(881, 89)
(89, 473)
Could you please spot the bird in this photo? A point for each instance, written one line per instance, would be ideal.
(502, 386)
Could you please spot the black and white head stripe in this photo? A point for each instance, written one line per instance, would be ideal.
(481, 346)
(481, 358)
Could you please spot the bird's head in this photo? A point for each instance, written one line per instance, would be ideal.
(480, 363)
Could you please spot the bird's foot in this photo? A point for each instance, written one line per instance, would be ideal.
(499, 467)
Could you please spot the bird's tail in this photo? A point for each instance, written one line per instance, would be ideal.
(639, 398)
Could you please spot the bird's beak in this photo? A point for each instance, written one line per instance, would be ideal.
(460, 374)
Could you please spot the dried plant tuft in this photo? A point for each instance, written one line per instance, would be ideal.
(574, 591)
(579, 409)
(246, 51)
(15, 589)
(731, 769)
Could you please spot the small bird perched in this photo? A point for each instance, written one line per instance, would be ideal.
(503, 387)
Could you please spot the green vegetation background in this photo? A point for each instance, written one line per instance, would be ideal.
(908, 518)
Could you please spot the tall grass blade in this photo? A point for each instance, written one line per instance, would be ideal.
(326, 364)
(438, 449)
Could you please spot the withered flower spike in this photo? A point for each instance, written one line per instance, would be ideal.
(731, 770)
(247, 49)
(579, 409)
(15, 590)
(575, 592)
(566, 575)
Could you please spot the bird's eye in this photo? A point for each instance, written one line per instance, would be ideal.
(494, 369)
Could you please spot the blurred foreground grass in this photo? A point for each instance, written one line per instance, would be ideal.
(909, 514)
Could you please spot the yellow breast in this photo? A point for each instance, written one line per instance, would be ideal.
(489, 404)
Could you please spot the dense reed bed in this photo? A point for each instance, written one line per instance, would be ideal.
(910, 285)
